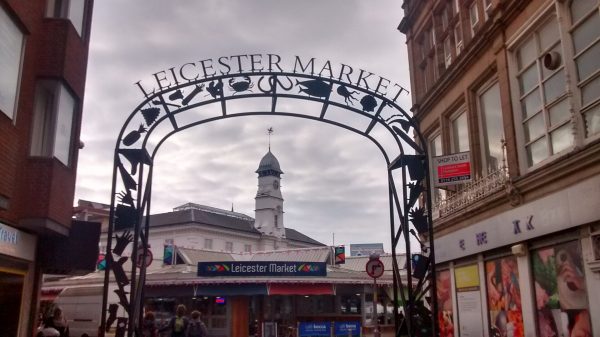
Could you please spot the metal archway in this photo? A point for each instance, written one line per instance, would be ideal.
(164, 108)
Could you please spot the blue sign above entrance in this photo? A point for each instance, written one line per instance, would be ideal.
(262, 268)
(314, 329)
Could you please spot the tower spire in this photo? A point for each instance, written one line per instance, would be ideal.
(270, 131)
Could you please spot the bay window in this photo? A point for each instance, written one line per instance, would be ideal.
(542, 89)
(11, 54)
(74, 10)
(490, 116)
(585, 32)
(54, 111)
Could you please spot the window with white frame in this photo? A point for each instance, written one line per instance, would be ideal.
(229, 246)
(492, 133)
(458, 38)
(460, 133)
(474, 16)
(54, 115)
(208, 244)
(487, 5)
(248, 248)
(585, 31)
(447, 51)
(11, 55)
(543, 105)
(456, 6)
(435, 149)
(74, 10)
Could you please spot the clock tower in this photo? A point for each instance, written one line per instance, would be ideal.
(269, 201)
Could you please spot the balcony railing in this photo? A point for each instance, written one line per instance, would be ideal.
(470, 193)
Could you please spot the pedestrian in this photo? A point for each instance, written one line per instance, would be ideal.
(178, 323)
(57, 321)
(196, 328)
(149, 328)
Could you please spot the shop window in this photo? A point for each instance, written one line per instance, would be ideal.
(350, 304)
(311, 305)
(585, 31)
(504, 297)
(11, 292)
(11, 55)
(444, 298)
(560, 291)
(208, 244)
(490, 116)
(74, 10)
(54, 112)
(543, 105)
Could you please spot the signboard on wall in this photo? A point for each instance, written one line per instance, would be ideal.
(261, 268)
(314, 329)
(452, 169)
(345, 329)
(468, 300)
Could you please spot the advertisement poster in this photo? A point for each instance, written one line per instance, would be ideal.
(560, 291)
(444, 297)
(504, 297)
(468, 298)
(314, 329)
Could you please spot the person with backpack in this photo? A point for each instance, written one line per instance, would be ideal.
(196, 328)
(178, 324)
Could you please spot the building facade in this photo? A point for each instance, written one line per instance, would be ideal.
(516, 84)
(43, 61)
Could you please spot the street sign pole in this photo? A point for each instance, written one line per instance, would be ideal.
(375, 269)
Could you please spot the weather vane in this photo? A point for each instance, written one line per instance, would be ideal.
(270, 131)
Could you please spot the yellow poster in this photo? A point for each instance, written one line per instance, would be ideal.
(466, 277)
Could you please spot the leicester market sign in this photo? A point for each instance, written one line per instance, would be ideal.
(261, 63)
(262, 268)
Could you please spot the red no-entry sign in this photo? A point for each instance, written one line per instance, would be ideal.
(375, 268)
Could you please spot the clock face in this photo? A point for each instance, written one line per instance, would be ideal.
(275, 184)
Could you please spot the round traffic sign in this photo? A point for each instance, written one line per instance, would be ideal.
(374, 268)
(140, 253)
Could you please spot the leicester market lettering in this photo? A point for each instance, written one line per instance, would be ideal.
(272, 63)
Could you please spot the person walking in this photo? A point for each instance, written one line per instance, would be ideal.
(149, 328)
(57, 321)
(178, 324)
(196, 328)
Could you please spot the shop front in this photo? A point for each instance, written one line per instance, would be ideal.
(529, 271)
(17, 256)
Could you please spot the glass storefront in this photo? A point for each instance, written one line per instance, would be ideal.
(560, 291)
(11, 292)
(504, 297)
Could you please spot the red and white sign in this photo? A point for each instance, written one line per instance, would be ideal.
(375, 268)
(452, 169)
(140, 253)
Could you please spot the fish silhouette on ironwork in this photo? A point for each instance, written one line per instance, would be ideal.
(198, 89)
(344, 92)
(368, 103)
(122, 242)
(125, 217)
(134, 136)
(315, 88)
(158, 102)
(273, 82)
(240, 85)
(122, 294)
(135, 157)
(112, 315)
(150, 115)
(215, 89)
(415, 164)
(177, 94)
(127, 179)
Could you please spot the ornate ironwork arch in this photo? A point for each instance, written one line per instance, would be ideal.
(136, 149)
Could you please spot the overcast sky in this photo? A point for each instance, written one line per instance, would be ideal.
(334, 181)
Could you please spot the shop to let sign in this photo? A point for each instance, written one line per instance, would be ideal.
(452, 169)
(262, 268)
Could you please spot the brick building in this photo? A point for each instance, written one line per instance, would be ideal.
(516, 84)
(43, 61)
